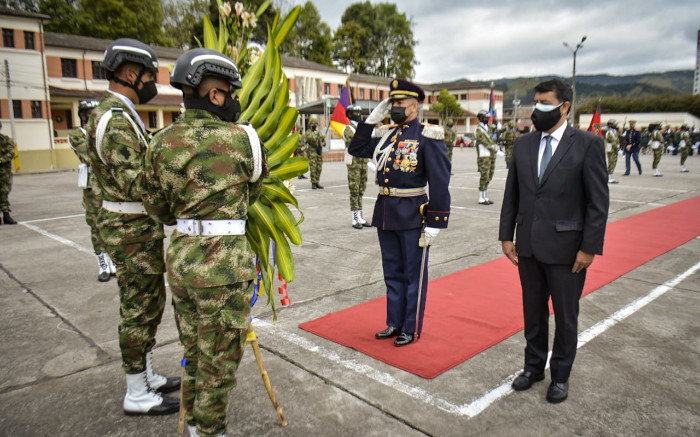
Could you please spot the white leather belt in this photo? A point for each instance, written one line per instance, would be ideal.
(196, 228)
(124, 207)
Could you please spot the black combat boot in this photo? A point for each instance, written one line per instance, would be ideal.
(7, 220)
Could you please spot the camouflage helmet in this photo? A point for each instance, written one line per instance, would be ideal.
(194, 65)
(129, 50)
(450, 122)
(511, 124)
(313, 121)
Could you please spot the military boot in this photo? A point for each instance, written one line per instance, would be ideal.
(103, 275)
(361, 219)
(7, 220)
(140, 399)
(158, 382)
(355, 222)
(110, 263)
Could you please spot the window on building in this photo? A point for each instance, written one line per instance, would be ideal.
(17, 108)
(175, 116)
(98, 71)
(362, 93)
(340, 89)
(152, 120)
(69, 67)
(29, 40)
(371, 94)
(462, 97)
(8, 37)
(327, 88)
(36, 109)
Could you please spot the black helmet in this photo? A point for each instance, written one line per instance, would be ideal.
(612, 122)
(482, 114)
(195, 64)
(131, 50)
(86, 105)
(353, 110)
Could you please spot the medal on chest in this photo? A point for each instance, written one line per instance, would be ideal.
(406, 158)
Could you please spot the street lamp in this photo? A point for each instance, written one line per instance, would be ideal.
(573, 77)
(516, 103)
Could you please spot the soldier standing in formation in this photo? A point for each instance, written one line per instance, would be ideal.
(657, 147)
(7, 155)
(612, 148)
(684, 146)
(408, 156)
(485, 155)
(631, 140)
(450, 137)
(117, 142)
(509, 137)
(92, 199)
(314, 142)
(357, 169)
(202, 173)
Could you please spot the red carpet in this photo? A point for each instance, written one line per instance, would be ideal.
(481, 306)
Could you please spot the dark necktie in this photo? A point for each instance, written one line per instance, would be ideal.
(546, 156)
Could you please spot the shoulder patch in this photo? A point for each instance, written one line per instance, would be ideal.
(379, 132)
(433, 132)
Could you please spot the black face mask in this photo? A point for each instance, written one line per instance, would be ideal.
(398, 114)
(545, 120)
(147, 92)
(229, 111)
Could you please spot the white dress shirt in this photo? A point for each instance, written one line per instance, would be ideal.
(556, 137)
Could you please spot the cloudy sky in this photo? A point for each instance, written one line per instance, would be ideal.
(490, 39)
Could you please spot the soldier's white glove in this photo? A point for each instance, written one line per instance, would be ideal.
(378, 113)
(428, 236)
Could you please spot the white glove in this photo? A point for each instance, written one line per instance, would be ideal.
(377, 115)
(428, 236)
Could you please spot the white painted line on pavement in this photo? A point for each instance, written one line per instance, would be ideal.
(58, 238)
(53, 218)
(478, 405)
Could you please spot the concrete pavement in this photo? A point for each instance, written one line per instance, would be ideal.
(61, 375)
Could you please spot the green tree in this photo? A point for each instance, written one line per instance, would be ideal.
(446, 106)
(310, 38)
(659, 103)
(183, 21)
(375, 39)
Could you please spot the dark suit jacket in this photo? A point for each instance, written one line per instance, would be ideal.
(565, 213)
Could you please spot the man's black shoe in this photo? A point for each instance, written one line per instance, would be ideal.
(626, 174)
(7, 220)
(525, 380)
(389, 332)
(314, 186)
(557, 392)
(301, 176)
(171, 385)
(319, 186)
(403, 339)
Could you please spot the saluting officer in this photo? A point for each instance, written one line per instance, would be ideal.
(357, 169)
(411, 159)
(202, 173)
(117, 141)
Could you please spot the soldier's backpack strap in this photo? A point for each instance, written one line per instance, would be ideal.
(102, 127)
(257, 151)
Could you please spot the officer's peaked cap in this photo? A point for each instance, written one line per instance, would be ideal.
(194, 65)
(131, 50)
(402, 89)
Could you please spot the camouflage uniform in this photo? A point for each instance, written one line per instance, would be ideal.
(612, 147)
(7, 154)
(450, 138)
(485, 150)
(92, 199)
(199, 168)
(657, 147)
(509, 137)
(313, 141)
(133, 241)
(357, 171)
(684, 147)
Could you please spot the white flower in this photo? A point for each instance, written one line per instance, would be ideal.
(249, 19)
(226, 9)
(239, 8)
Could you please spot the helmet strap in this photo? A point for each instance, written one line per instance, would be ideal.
(135, 85)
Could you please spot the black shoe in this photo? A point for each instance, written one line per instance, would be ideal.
(301, 177)
(367, 224)
(319, 186)
(557, 392)
(6, 219)
(403, 339)
(104, 276)
(171, 385)
(389, 332)
(525, 380)
(626, 174)
(314, 186)
(357, 226)
(168, 406)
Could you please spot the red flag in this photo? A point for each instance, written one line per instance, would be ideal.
(492, 106)
(595, 122)
(338, 119)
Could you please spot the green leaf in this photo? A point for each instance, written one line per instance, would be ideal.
(210, 37)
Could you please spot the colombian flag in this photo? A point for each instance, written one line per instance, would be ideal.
(595, 122)
(339, 120)
(492, 106)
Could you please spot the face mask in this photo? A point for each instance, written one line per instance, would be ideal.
(398, 114)
(147, 92)
(545, 117)
(229, 111)
(313, 128)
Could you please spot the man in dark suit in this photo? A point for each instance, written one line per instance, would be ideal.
(556, 204)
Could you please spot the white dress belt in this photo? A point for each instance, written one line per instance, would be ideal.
(196, 228)
(124, 207)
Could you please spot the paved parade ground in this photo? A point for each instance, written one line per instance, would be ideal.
(637, 372)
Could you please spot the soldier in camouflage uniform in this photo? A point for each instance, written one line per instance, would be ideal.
(450, 137)
(509, 137)
(314, 142)
(657, 147)
(117, 142)
(202, 173)
(485, 151)
(92, 199)
(612, 148)
(357, 169)
(684, 146)
(7, 155)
